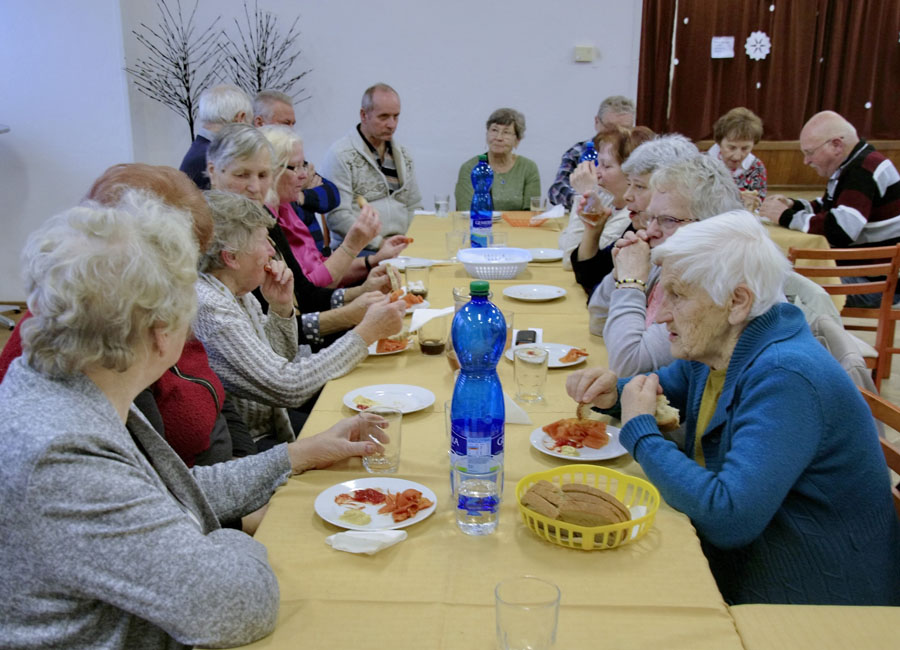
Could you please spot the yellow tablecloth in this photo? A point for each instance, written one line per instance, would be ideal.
(807, 627)
(435, 590)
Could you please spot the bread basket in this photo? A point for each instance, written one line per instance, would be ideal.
(630, 490)
(494, 263)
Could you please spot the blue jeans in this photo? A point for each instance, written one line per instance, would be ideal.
(865, 299)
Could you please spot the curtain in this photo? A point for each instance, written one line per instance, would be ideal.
(656, 52)
(825, 54)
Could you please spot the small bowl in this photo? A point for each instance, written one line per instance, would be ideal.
(494, 263)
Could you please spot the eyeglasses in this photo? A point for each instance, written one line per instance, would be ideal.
(809, 154)
(498, 132)
(667, 224)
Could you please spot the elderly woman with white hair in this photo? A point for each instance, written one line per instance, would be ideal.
(624, 304)
(343, 266)
(108, 539)
(632, 166)
(782, 475)
(256, 355)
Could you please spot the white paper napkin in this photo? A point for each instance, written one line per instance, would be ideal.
(556, 212)
(515, 414)
(422, 316)
(365, 541)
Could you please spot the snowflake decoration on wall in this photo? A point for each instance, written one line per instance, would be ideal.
(758, 46)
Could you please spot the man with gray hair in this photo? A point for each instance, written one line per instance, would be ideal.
(273, 107)
(368, 163)
(861, 204)
(218, 106)
(614, 111)
(623, 306)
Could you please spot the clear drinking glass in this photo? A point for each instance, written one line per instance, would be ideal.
(527, 613)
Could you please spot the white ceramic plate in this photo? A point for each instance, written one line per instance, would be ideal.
(534, 292)
(545, 254)
(374, 346)
(556, 350)
(402, 262)
(331, 512)
(613, 449)
(402, 396)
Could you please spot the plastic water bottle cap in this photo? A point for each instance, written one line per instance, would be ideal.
(482, 157)
(479, 288)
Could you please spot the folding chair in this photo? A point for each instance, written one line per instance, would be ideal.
(871, 262)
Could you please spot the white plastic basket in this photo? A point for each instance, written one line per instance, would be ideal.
(494, 263)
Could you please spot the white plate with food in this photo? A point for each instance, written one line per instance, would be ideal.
(405, 397)
(558, 352)
(400, 263)
(544, 443)
(534, 292)
(355, 504)
(390, 348)
(545, 254)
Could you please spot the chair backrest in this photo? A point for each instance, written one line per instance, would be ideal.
(888, 413)
(878, 261)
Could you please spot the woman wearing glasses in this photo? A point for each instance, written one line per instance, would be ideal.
(290, 177)
(623, 307)
(516, 178)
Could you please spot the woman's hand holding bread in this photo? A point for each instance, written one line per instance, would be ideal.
(639, 396)
(595, 386)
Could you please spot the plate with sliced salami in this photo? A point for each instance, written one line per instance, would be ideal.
(560, 356)
(575, 439)
(375, 503)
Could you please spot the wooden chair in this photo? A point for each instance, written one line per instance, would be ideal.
(872, 262)
(889, 414)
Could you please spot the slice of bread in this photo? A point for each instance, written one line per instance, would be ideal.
(539, 504)
(588, 513)
(583, 492)
(667, 416)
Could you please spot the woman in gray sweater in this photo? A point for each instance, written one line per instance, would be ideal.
(108, 539)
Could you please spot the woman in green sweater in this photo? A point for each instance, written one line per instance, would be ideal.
(516, 178)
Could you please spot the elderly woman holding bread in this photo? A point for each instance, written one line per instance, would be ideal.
(782, 473)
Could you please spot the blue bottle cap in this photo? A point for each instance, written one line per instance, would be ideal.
(479, 288)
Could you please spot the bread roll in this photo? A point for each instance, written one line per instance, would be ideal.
(667, 416)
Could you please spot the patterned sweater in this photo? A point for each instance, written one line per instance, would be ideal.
(258, 359)
(561, 192)
(794, 504)
(861, 204)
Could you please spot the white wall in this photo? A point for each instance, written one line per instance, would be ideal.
(62, 93)
(452, 63)
(73, 112)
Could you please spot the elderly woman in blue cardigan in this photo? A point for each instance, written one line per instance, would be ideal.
(782, 474)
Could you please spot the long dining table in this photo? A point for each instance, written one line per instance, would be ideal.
(435, 589)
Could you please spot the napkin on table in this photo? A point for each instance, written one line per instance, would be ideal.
(556, 212)
(422, 316)
(365, 541)
(515, 414)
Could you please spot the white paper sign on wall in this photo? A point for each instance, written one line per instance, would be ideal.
(722, 47)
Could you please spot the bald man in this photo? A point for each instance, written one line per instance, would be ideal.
(861, 204)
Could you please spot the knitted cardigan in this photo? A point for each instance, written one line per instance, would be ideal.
(794, 504)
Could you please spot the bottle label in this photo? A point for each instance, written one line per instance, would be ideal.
(479, 238)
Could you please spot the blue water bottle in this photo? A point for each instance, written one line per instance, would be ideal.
(477, 413)
(482, 207)
(589, 153)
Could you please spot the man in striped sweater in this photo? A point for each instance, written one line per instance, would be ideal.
(861, 204)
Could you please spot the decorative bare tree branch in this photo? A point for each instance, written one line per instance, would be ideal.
(263, 58)
(180, 61)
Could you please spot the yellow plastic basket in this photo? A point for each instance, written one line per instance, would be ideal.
(630, 490)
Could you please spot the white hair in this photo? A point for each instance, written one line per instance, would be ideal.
(235, 142)
(282, 139)
(660, 151)
(703, 181)
(221, 104)
(98, 278)
(235, 218)
(724, 251)
(265, 101)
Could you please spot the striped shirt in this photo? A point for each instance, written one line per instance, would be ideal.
(385, 163)
(861, 204)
